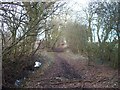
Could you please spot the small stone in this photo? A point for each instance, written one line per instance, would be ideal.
(103, 82)
(115, 84)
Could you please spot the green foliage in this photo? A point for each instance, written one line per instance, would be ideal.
(104, 24)
(75, 35)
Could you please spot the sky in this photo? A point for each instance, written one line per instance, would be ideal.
(77, 3)
(75, 6)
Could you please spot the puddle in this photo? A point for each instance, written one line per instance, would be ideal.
(19, 82)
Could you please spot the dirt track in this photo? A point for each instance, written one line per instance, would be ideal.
(66, 72)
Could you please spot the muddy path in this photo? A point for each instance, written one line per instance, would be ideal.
(61, 68)
(57, 75)
(66, 72)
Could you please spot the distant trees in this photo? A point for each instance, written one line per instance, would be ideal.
(75, 35)
(99, 35)
(55, 33)
(103, 23)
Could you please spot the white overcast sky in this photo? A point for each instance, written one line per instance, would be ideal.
(77, 3)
